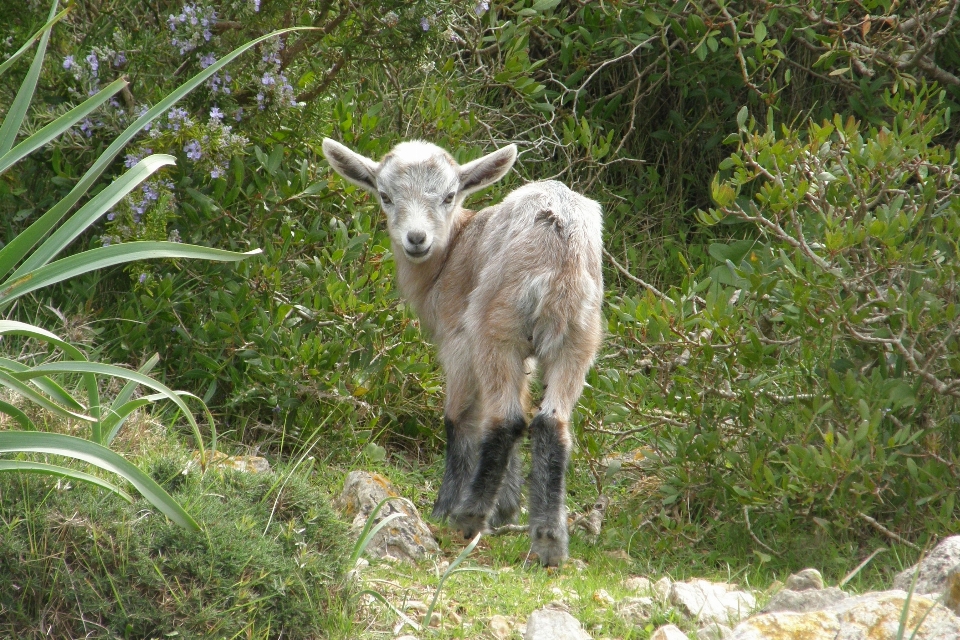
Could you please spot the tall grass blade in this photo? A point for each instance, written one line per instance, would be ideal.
(71, 447)
(101, 257)
(59, 125)
(449, 572)
(115, 414)
(370, 530)
(29, 43)
(18, 110)
(18, 415)
(56, 470)
(21, 245)
(96, 207)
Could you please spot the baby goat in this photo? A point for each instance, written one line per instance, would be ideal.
(500, 291)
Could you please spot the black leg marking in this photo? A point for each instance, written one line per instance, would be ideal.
(460, 462)
(508, 499)
(481, 497)
(548, 512)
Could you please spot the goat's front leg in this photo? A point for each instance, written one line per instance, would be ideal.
(461, 460)
(493, 463)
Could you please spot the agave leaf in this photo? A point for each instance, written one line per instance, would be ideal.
(18, 415)
(11, 381)
(18, 110)
(95, 454)
(55, 470)
(101, 257)
(115, 416)
(21, 245)
(94, 209)
(29, 43)
(45, 384)
(59, 125)
(12, 327)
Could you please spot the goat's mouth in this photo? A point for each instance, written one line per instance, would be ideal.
(415, 255)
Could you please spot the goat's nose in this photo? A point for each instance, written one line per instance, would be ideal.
(416, 237)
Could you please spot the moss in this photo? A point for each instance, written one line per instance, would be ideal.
(81, 563)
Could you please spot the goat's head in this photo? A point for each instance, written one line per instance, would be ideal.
(420, 187)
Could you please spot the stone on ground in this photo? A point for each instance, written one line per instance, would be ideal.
(708, 601)
(668, 632)
(803, 601)
(639, 584)
(933, 569)
(406, 538)
(805, 580)
(874, 616)
(550, 624)
(635, 611)
(714, 631)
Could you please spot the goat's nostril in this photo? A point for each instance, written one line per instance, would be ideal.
(416, 237)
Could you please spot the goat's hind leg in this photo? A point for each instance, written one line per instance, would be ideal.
(461, 460)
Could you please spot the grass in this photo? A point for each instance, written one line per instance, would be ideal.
(76, 561)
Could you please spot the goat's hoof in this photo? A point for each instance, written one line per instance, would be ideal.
(549, 543)
(470, 524)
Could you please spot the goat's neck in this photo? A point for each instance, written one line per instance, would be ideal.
(418, 281)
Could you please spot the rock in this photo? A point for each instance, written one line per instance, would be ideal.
(635, 611)
(602, 597)
(220, 460)
(550, 624)
(500, 627)
(805, 580)
(951, 590)
(714, 631)
(711, 601)
(406, 538)
(933, 569)
(639, 584)
(803, 601)
(874, 616)
(669, 632)
(661, 588)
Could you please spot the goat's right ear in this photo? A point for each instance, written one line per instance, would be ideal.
(355, 168)
(486, 170)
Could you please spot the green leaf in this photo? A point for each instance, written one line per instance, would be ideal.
(760, 32)
(54, 470)
(18, 415)
(48, 386)
(543, 5)
(94, 259)
(18, 110)
(95, 454)
(59, 125)
(29, 43)
(96, 207)
(742, 117)
(9, 379)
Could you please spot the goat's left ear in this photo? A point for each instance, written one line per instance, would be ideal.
(486, 170)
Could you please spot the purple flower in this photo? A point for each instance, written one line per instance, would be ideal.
(86, 127)
(256, 6)
(424, 24)
(216, 114)
(193, 150)
(481, 7)
(207, 60)
(142, 278)
(111, 216)
(268, 79)
(130, 160)
(68, 62)
(120, 59)
(106, 241)
(216, 172)
(93, 62)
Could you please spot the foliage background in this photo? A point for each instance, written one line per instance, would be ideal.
(780, 195)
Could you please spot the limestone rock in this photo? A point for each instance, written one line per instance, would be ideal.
(406, 538)
(714, 631)
(501, 627)
(805, 580)
(220, 460)
(638, 584)
(661, 588)
(635, 611)
(550, 624)
(874, 616)
(803, 601)
(951, 590)
(933, 569)
(668, 632)
(711, 601)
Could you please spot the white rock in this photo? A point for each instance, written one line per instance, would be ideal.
(873, 616)
(714, 631)
(550, 624)
(805, 580)
(635, 611)
(639, 584)
(661, 588)
(406, 538)
(500, 627)
(711, 601)
(802, 601)
(933, 569)
(669, 632)
(602, 597)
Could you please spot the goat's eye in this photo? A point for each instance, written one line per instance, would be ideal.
(384, 199)
(449, 198)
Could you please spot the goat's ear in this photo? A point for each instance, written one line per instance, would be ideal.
(486, 170)
(355, 168)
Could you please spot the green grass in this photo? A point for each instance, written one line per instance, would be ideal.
(75, 561)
